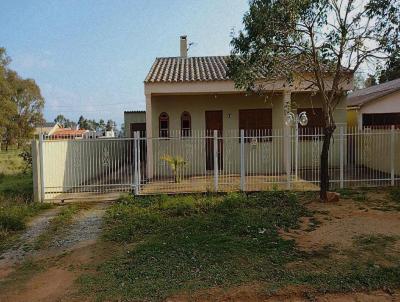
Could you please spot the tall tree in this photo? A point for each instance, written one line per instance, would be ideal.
(26, 96)
(392, 68)
(8, 108)
(110, 125)
(102, 125)
(64, 122)
(330, 39)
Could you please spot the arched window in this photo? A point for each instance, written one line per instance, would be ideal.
(186, 124)
(164, 125)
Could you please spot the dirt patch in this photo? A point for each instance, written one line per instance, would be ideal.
(341, 222)
(255, 293)
(63, 262)
(46, 286)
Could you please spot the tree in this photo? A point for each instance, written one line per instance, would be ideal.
(21, 104)
(83, 123)
(102, 125)
(392, 68)
(26, 95)
(64, 122)
(110, 125)
(327, 39)
(7, 107)
(370, 81)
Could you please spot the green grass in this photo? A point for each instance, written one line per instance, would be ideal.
(395, 195)
(175, 244)
(13, 181)
(11, 162)
(14, 215)
(16, 206)
(195, 241)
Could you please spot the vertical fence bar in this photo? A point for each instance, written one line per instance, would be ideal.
(296, 150)
(216, 160)
(139, 144)
(242, 172)
(392, 151)
(136, 160)
(41, 169)
(341, 152)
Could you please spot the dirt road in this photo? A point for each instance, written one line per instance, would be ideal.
(48, 274)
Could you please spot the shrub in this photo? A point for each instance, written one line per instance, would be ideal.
(395, 194)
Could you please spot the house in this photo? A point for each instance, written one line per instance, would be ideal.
(68, 133)
(375, 106)
(185, 94)
(47, 128)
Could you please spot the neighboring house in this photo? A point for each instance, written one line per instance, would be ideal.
(194, 93)
(47, 129)
(135, 121)
(68, 133)
(375, 106)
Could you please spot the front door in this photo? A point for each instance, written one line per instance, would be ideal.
(213, 122)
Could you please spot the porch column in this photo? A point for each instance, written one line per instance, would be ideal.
(286, 134)
(149, 135)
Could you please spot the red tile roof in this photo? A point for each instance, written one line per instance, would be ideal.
(64, 132)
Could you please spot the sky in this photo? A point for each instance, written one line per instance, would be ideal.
(90, 57)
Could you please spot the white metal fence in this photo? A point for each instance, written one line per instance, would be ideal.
(216, 161)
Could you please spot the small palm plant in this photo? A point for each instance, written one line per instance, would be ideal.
(176, 164)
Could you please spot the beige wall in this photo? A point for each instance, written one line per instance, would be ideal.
(387, 104)
(69, 164)
(264, 157)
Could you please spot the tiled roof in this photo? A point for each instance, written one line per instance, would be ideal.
(63, 132)
(363, 96)
(134, 111)
(191, 69)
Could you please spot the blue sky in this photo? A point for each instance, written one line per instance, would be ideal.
(90, 57)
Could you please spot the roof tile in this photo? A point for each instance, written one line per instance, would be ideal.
(177, 69)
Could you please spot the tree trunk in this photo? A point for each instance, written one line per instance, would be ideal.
(324, 167)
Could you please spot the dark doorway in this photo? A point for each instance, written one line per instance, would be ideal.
(141, 127)
(213, 122)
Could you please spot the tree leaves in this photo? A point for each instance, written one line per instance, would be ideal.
(21, 104)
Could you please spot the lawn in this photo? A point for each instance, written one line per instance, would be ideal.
(16, 206)
(183, 245)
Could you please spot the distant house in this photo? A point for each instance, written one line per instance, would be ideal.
(135, 121)
(195, 93)
(47, 128)
(68, 133)
(375, 106)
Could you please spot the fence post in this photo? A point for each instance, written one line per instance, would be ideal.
(392, 152)
(216, 160)
(287, 145)
(139, 162)
(41, 168)
(296, 150)
(341, 151)
(242, 171)
(136, 152)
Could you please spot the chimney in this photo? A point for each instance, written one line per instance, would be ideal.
(184, 47)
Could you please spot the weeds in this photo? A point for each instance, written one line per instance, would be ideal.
(195, 241)
(394, 194)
